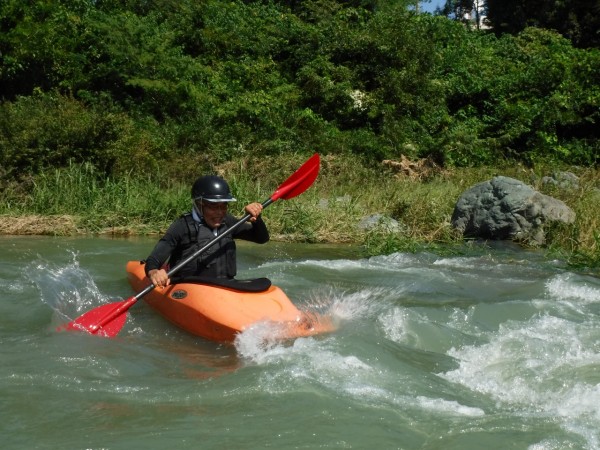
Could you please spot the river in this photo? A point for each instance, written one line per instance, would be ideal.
(495, 349)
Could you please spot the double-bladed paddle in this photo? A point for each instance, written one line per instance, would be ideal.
(107, 320)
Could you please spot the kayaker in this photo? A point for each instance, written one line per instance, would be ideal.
(209, 218)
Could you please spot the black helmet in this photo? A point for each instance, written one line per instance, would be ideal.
(212, 188)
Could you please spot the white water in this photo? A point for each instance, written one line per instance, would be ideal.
(496, 350)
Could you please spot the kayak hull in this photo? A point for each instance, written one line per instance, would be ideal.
(220, 314)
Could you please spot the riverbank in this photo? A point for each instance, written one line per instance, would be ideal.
(62, 225)
(39, 225)
(66, 225)
(418, 196)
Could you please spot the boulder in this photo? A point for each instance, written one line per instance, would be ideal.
(562, 180)
(379, 222)
(505, 208)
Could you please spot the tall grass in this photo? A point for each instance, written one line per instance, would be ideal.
(579, 243)
(99, 203)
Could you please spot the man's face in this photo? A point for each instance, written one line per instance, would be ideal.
(213, 213)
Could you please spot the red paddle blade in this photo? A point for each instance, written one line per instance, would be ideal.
(300, 180)
(106, 320)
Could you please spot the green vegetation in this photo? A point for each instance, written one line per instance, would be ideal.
(143, 84)
(577, 19)
(108, 110)
(345, 192)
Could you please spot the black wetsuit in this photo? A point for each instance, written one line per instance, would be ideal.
(185, 236)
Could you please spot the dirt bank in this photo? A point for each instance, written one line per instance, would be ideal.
(63, 225)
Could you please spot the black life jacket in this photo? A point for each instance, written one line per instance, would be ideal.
(218, 261)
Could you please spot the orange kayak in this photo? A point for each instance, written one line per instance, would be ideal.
(220, 312)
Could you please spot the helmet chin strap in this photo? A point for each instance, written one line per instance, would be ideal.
(198, 211)
(199, 217)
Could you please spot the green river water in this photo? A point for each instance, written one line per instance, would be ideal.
(499, 349)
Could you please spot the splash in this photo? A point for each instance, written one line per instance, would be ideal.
(337, 307)
(349, 306)
(572, 286)
(329, 309)
(386, 263)
(68, 289)
(319, 364)
(547, 366)
(397, 325)
(307, 361)
(448, 407)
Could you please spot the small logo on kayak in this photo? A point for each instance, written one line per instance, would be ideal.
(179, 294)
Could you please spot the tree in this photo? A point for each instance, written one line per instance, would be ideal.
(465, 11)
(577, 20)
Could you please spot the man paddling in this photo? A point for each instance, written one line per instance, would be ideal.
(209, 218)
(108, 319)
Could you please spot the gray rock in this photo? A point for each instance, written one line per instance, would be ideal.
(379, 221)
(563, 180)
(505, 208)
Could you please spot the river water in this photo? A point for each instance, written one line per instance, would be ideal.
(498, 349)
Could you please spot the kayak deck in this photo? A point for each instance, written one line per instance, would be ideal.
(220, 313)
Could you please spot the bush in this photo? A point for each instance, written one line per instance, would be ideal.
(50, 130)
(127, 85)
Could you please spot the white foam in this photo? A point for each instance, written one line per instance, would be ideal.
(448, 407)
(395, 324)
(460, 262)
(546, 366)
(357, 305)
(550, 444)
(570, 286)
(13, 287)
(390, 262)
(336, 264)
(262, 339)
(304, 358)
